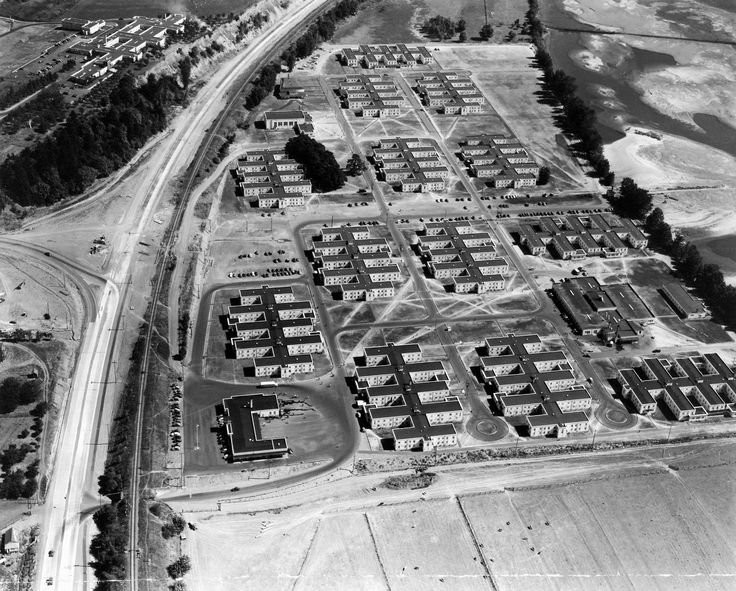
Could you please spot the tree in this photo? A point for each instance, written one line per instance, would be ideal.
(440, 27)
(632, 201)
(179, 567)
(185, 70)
(355, 166)
(543, 176)
(460, 26)
(486, 32)
(319, 163)
(463, 37)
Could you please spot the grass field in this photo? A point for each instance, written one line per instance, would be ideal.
(614, 522)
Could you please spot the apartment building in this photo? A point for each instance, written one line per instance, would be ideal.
(693, 387)
(409, 396)
(453, 92)
(528, 381)
(410, 164)
(397, 55)
(275, 331)
(354, 264)
(574, 237)
(272, 179)
(371, 95)
(500, 159)
(454, 251)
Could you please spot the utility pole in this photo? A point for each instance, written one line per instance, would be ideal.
(485, 10)
(196, 443)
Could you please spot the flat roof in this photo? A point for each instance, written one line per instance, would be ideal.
(244, 432)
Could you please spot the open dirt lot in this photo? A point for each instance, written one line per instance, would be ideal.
(615, 521)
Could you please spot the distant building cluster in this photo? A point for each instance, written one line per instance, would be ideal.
(614, 311)
(409, 396)
(108, 44)
(358, 265)
(682, 302)
(274, 330)
(501, 159)
(456, 251)
(454, 92)
(371, 95)
(414, 164)
(386, 56)
(241, 420)
(693, 388)
(272, 178)
(573, 237)
(528, 381)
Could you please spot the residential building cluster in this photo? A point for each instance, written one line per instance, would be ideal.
(371, 95)
(241, 419)
(528, 381)
(272, 178)
(354, 263)
(109, 43)
(573, 237)
(409, 396)
(499, 158)
(692, 387)
(682, 302)
(614, 312)
(456, 251)
(414, 164)
(453, 92)
(275, 330)
(386, 56)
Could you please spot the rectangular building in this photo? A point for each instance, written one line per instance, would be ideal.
(409, 396)
(454, 251)
(241, 415)
(528, 381)
(272, 179)
(285, 119)
(683, 302)
(410, 164)
(275, 331)
(354, 264)
(691, 387)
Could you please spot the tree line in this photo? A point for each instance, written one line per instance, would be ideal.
(635, 202)
(579, 118)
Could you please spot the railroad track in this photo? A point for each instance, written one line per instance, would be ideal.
(162, 255)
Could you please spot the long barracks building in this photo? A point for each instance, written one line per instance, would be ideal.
(527, 380)
(413, 163)
(455, 251)
(372, 95)
(408, 395)
(274, 330)
(241, 418)
(358, 265)
(454, 92)
(499, 158)
(272, 178)
(573, 237)
(386, 56)
(692, 387)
